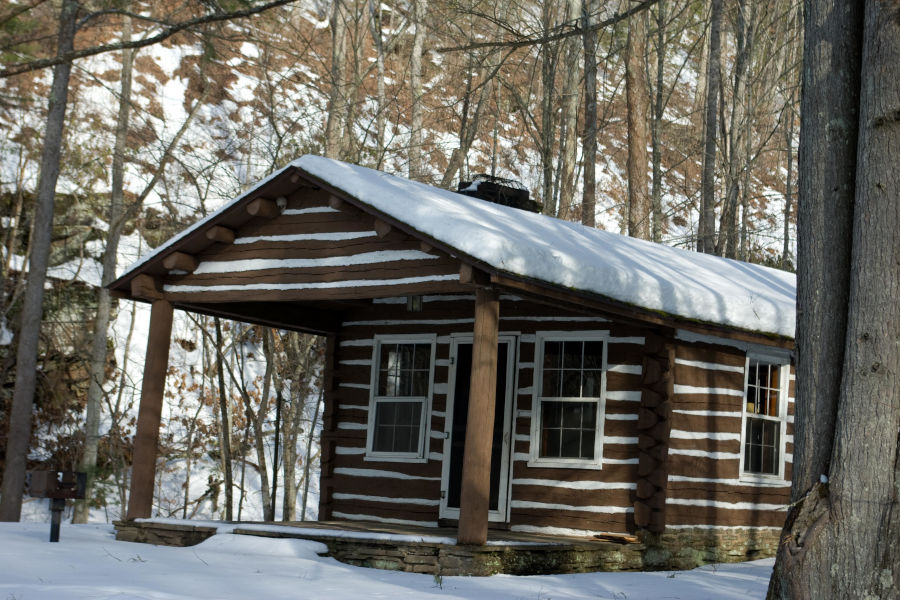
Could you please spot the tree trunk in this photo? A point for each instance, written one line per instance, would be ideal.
(589, 152)
(570, 102)
(738, 135)
(840, 537)
(381, 97)
(19, 436)
(333, 127)
(226, 423)
(706, 240)
(309, 452)
(97, 376)
(548, 52)
(656, 209)
(416, 144)
(638, 117)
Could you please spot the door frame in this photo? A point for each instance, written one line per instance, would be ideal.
(500, 515)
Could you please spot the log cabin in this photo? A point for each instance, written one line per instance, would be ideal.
(490, 367)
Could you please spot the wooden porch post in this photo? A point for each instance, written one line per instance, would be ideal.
(476, 476)
(146, 439)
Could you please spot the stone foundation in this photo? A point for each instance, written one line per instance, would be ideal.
(690, 548)
(672, 549)
(162, 534)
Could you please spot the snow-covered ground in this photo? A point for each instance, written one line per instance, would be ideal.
(89, 563)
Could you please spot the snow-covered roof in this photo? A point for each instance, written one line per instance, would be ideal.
(655, 277)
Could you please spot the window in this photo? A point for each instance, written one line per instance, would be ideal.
(402, 371)
(569, 399)
(765, 414)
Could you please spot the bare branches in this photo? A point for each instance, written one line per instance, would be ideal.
(166, 33)
(563, 31)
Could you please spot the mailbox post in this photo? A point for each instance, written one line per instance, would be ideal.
(59, 486)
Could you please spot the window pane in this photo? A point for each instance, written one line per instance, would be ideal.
(572, 355)
(550, 387)
(568, 429)
(404, 370)
(552, 355)
(587, 444)
(593, 355)
(572, 415)
(397, 427)
(591, 384)
(571, 387)
(552, 416)
(571, 443)
(550, 442)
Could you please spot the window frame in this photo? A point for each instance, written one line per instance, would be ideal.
(535, 459)
(783, 362)
(421, 454)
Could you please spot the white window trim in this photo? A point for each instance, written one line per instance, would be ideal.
(783, 360)
(421, 455)
(535, 459)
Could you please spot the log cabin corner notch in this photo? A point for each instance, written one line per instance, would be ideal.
(553, 378)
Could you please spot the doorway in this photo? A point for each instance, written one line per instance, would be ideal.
(455, 434)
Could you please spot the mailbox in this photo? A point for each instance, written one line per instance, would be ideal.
(59, 486)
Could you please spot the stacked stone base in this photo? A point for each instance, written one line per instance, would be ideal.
(693, 547)
(672, 549)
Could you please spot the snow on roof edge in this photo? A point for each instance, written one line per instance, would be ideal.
(671, 281)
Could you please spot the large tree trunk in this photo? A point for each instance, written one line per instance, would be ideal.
(706, 240)
(97, 374)
(638, 117)
(19, 436)
(840, 537)
(416, 139)
(589, 145)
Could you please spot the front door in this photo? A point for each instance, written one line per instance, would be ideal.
(455, 435)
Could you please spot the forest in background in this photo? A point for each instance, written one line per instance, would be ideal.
(676, 123)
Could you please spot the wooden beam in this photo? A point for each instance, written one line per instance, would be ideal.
(469, 275)
(335, 202)
(263, 207)
(425, 247)
(145, 287)
(220, 234)
(382, 229)
(476, 477)
(146, 438)
(180, 261)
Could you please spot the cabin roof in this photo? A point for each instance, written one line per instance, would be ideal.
(546, 251)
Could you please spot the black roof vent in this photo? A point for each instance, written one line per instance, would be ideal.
(499, 190)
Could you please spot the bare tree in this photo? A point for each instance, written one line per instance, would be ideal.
(638, 117)
(19, 435)
(706, 241)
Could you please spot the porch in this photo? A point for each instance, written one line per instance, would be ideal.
(414, 549)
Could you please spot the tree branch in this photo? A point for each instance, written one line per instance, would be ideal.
(562, 32)
(168, 32)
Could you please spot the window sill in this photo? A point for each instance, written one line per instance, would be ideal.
(762, 479)
(403, 458)
(549, 463)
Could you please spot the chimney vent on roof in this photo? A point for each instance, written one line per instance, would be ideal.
(499, 190)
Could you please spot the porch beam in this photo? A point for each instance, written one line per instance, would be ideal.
(476, 476)
(146, 438)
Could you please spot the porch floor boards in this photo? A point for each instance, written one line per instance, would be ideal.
(410, 548)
